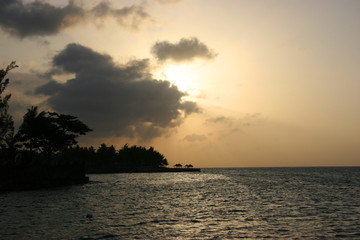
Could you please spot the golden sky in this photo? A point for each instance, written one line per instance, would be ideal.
(227, 83)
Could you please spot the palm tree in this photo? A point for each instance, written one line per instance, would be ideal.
(49, 132)
(31, 127)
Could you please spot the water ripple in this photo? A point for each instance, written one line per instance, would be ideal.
(283, 203)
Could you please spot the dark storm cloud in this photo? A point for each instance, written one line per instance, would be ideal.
(185, 50)
(37, 18)
(115, 100)
(40, 18)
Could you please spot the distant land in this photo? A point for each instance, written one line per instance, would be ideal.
(107, 159)
(33, 170)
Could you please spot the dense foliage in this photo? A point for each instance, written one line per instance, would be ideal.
(108, 158)
(49, 132)
(6, 121)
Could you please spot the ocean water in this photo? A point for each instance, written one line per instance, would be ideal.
(282, 203)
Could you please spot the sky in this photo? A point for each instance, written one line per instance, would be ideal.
(211, 83)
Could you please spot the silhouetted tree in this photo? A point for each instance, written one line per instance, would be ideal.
(106, 151)
(6, 121)
(137, 156)
(189, 166)
(106, 154)
(178, 165)
(32, 130)
(77, 153)
(50, 132)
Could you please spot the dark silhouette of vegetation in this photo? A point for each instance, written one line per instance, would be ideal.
(49, 132)
(109, 159)
(6, 121)
(26, 156)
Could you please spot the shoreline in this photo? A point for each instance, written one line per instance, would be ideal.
(23, 178)
(155, 170)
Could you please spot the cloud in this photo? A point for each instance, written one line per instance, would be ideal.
(147, 2)
(187, 49)
(114, 100)
(167, 1)
(40, 18)
(195, 137)
(127, 16)
(220, 119)
(20, 83)
(229, 125)
(244, 121)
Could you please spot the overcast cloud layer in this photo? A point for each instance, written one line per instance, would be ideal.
(41, 18)
(114, 100)
(187, 49)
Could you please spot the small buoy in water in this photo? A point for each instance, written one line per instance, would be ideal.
(89, 215)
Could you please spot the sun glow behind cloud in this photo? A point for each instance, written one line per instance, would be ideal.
(183, 76)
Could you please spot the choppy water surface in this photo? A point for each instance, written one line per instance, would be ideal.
(311, 203)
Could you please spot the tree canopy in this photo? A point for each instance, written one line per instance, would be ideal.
(6, 121)
(109, 159)
(49, 132)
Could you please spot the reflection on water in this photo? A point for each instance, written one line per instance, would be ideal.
(213, 204)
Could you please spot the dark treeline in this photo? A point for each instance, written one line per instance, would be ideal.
(109, 159)
(104, 159)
